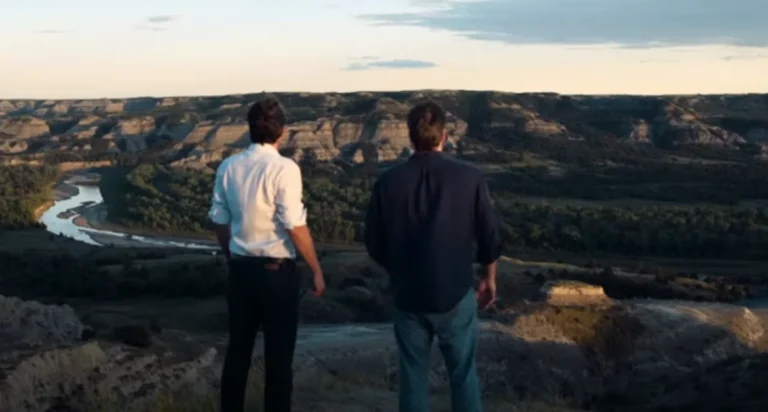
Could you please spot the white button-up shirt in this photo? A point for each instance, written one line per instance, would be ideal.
(259, 194)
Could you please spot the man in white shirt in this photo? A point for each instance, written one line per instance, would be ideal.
(260, 222)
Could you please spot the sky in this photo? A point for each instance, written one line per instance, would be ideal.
(104, 48)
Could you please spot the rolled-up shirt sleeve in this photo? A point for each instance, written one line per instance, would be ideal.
(219, 212)
(289, 202)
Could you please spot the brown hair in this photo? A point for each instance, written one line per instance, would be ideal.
(266, 120)
(426, 125)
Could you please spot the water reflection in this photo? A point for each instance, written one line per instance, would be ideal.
(60, 223)
(65, 226)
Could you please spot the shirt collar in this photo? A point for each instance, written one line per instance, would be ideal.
(427, 154)
(262, 148)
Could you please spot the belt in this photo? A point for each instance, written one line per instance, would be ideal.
(270, 263)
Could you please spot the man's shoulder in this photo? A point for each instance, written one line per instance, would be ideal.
(228, 161)
(458, 170)
(448, 165)
(278, 161)
(396, 172)
(461, 165)
(285, 163)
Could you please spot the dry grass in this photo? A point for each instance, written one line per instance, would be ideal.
(361, 393)
(609, 331)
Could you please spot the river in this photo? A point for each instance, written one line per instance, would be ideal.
(57, 221)
(60, 220)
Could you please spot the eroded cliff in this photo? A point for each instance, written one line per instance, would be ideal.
(370, 127)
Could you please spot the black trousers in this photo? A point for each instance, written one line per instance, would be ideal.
(263, 293)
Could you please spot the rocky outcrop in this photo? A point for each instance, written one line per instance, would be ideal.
(524, 121)
(92, 375)
(133, 133)
(572, 339)
(640, 132)
(735, 384)
(370, 127)
(678, 125)
(13, 146)
(24, 128)
(573, 293)
(583, 353)
(114, 107)
(45, 366)
(317, 137)
(200, 132)
(199, 158)
(31, 324)
(620, 284)
(227, 135)
(176, 132)
(85, 128)
(7, 106)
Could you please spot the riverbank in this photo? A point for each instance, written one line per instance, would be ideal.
(78, 212)
(87, 215)
(338, 341)
(95, 217)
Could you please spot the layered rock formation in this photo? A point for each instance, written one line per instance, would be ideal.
(370, 127)
(26, 127)
(45, 364)
(562, 337)
(590, 355)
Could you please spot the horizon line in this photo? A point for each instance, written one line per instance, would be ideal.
(204, 95)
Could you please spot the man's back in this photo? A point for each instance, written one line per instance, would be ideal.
(423, 219)
(261, 212)
(260, 223)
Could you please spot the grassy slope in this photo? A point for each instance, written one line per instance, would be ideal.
(361, 393)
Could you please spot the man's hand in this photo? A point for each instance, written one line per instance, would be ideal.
(223, 235)
(486, 293)
(319, 282)
(486, 289)
(302, 239)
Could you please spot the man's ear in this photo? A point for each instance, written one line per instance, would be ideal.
(445, 137)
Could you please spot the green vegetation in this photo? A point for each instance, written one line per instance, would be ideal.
(643, 220)
(159, 198)
(23, 189)
(605, 169)
(674, 231)
(107, 276)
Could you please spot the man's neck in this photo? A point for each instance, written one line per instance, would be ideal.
(438, 149)
(275, 146)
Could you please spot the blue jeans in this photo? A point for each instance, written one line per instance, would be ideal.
(456, 332)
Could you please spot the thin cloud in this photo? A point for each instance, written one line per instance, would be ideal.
(745, 57)
(627, 23)
(151, 28)
(51, 31)
(363, 58)
(157, 23)
(161, 19)
(391, 64)
(659, 60)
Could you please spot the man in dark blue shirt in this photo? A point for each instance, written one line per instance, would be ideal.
(423, 218)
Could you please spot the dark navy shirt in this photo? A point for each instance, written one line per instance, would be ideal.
(423, 218)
